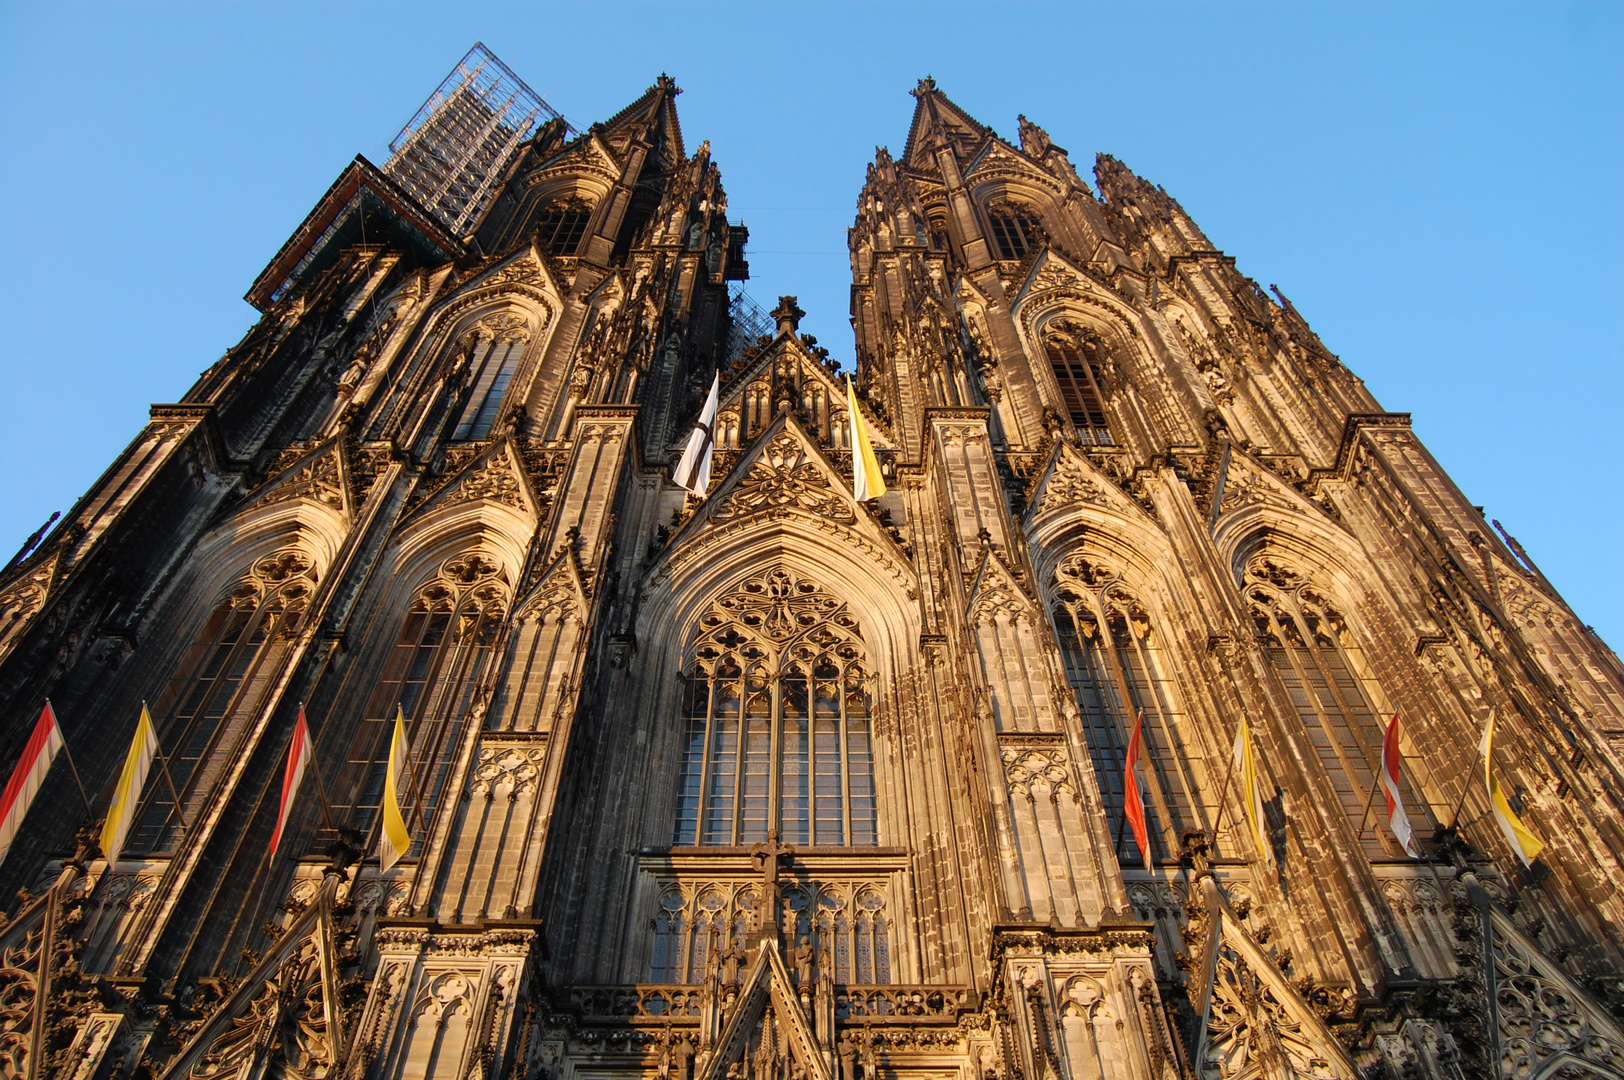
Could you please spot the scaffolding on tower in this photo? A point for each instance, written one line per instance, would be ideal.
(453, 153)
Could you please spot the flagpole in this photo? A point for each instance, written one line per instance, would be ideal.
(163, 763)
(1370, 800)
(321, 788)
(71, 766)
(1223, 796)
(1466, 786)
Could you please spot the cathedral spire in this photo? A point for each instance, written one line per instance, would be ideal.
(936, 120)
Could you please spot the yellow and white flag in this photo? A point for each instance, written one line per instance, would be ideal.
(127, 796)
(394, 842)
(1524, 843)
(867, 483)
(1251, 792)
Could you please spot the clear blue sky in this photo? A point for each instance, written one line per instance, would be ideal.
(1437, 187)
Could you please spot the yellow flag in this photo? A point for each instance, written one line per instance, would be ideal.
(1251, 795)
(1524, 843)
(866, 481)
(394, 842)
(127, 796)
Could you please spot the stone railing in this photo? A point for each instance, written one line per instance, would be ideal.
(855, 1004)
(644, 1002)
(926, 1004)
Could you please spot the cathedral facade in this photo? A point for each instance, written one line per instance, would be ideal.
(771, 783)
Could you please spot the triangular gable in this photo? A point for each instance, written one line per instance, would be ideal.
(784, 474)
(1071, 478)
(733, 391)
(320, 475)
(588, 153)
(1243, 482)
(767, 984)
(527, 266)
(559, 588)
(251, 1025)
(997, 589)
(1052, 270)
(1239, 990)
(1581, 1034)
(996, 151)
(497, 475)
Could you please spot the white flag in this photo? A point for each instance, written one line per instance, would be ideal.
(694, 469)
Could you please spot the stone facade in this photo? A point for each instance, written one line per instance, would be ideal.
(775, 784)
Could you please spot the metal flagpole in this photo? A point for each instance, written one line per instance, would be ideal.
(163, 763)
(1223, 795)
(71, 766)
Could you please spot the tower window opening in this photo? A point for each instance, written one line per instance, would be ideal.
(1014, 231)
(493, 359)
(559, 228)
(432, 677)
(1113, 662)
(1076, 373)
(1304, 636)
(205, 712)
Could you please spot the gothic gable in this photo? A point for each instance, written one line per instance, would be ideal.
(526, 266)
(319, 475)
(782, 478)
(496, 476)
(997, 590)
(767, 1028)
(1547, 1024)
(1252, 1022)
(1070, 481)
(787, 367)
(286, 1016)
(1245, 485)
(1052, 276)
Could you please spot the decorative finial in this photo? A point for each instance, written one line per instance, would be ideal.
(788, 314)
(926, 85)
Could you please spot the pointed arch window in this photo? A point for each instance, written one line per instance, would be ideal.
(433, 674)
(207, 708)
(776, 722)
(1307, 641)
(561, 225)
(1114, 663)
(495, 347)
(1077, 359)
(1015, 231)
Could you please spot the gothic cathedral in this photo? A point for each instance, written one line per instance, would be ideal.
(1071, 756)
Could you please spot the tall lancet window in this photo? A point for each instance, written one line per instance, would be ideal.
(495, 346)
(559, 228)
(1308, 643)
(207, 708)
(433, 676)
(1015, 232)
(1114, 662)
(776, 725)
(1078, 359)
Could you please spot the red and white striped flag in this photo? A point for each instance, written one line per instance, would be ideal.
(298, 758)
(1133, 803)
(1397, 819)
(29, 776)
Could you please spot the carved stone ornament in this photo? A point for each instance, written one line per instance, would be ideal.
(785, 476)
(1068, 484)
(318, 479)
(497, 479)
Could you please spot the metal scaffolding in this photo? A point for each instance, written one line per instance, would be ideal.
(453, 153)
(750, 323)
